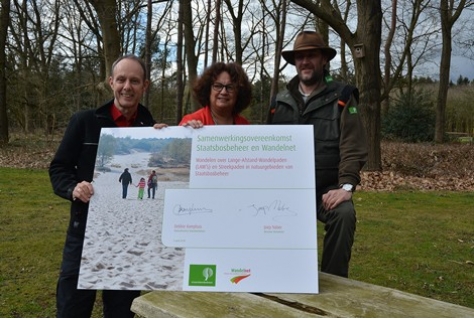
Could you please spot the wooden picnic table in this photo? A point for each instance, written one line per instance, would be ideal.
(338, 297)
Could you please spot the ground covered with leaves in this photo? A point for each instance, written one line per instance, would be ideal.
(423, 167)
(405, 166)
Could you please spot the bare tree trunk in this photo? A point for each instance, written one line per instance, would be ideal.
(344, 64)
(164, 80)
(24, 65)
(369, 33)
(190, 44)
(148, 42)
(388, 56)
(449, 15)
(444, 68)
(215, 46)
(206, 32)
(107, 12)
(4, 20)
(280, 36)
(179, 63)
(236, 27)
(322, 26)
(263, 107)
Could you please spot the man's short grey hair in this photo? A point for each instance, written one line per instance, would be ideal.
(130, 57)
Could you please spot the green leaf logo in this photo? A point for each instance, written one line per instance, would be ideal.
(202, 275)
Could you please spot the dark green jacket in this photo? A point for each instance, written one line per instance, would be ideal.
(340, 142)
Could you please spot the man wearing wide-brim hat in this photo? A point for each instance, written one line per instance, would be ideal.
(313, 97)
(309, 41)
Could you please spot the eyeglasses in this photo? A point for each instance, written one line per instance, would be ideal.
(218, 87)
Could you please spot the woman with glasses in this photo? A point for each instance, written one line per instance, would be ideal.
(223, 91)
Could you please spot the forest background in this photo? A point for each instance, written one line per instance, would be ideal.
(57, 55)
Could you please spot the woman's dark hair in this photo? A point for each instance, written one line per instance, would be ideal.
(202, 86)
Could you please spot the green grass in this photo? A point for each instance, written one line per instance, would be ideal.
(32, 227)
(412, 241)
(418, 242)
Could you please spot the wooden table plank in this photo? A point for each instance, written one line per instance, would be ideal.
(184, 304)
(350, 298)
(338, 297)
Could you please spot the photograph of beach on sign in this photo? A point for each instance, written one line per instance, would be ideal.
(123, 248)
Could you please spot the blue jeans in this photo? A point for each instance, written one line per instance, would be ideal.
(77, 303)
(124, 190)
(153, 190)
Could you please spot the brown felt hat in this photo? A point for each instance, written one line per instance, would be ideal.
(308, 40)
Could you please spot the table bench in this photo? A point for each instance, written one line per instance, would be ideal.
(338, 297)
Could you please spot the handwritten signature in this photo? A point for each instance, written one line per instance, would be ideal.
(276, 209)
(181, 210)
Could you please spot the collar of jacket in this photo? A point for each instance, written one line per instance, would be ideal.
(144, 117)
(328, 94)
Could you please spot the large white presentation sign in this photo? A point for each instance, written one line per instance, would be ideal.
(234, 211)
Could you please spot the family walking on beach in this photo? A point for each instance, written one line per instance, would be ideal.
(152, 183)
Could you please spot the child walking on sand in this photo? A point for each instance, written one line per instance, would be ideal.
(141, 187)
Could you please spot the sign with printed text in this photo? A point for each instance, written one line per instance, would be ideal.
(235, 211)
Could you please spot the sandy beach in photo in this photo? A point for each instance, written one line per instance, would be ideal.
(122, 246)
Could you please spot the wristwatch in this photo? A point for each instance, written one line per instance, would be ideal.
(348, 187)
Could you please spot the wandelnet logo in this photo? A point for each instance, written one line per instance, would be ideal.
(202, 275)
(242, 274)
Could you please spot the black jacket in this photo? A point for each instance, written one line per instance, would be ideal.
(125, 178)
(74, 160)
